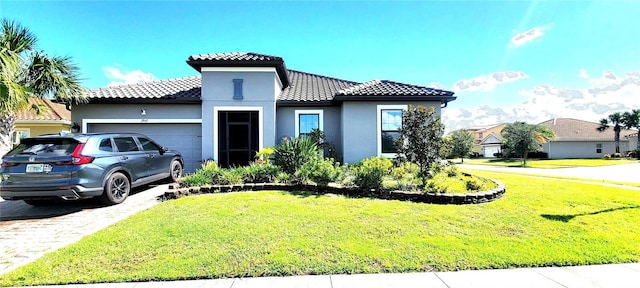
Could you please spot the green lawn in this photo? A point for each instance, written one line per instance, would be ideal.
(539, 222)
(551, 163)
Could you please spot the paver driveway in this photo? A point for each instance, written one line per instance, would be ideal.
(27, 232)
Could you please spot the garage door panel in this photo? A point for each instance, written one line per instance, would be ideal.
(185, 138)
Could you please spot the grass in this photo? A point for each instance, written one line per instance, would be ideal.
(548, 163)
(539, 222)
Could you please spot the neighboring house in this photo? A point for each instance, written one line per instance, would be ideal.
(242, 102)
(581, 139)
(55, 118)
(491, 145)
(490, 136)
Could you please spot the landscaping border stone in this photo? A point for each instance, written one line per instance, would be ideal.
(174, 192)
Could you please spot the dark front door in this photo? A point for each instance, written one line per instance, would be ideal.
(238, 137)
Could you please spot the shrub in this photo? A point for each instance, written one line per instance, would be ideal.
(260, 173)
(497, 155)
(451, 171)
(617, 155)
(231, 176)
(405, 177)
(473, 184)
(369, 172)
(283, 177)
(196, 179)
(264, 155)
(607, 156)
(319, 170)
(291, 154)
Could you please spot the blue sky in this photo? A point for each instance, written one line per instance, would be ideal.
(506, 60)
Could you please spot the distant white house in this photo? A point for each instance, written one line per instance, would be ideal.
(491, 145)
(581, 139)
(633, 141)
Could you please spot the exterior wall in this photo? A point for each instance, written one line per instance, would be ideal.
(584, 149)
(132, 112)
(36, 129)
(359, 127)
(633, 143)
(285, 124)
(258, 89)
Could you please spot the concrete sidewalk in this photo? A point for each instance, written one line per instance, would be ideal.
(602, 276)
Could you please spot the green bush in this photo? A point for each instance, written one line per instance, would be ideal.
(473, 184)
(231, 176)
(196, 179)
(406, 176)
(259, 173)
(291, 154)
(320, 171)
(283, 177)
(369, 172)
(451, 171)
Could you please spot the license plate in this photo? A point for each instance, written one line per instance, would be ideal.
(35, 168)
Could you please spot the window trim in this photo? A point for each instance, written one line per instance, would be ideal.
(598, 148)
(379, 127)
(297, 114)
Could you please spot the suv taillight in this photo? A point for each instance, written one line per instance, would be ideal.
(79, 159)
(8, 164)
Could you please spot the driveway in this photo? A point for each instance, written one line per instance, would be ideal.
(28, 232)
(622, 173)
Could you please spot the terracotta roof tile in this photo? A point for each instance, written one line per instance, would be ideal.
(187, 88)
(567, 129)
(309, 87)
(235, 56)
(54, 111)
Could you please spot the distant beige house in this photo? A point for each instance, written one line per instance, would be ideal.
(633, 141)
(54, 119)
(487, 139)
(581, 139)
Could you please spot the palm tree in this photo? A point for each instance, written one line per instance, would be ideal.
(520, 138)
(617, 120)
(632, 120)
(26, 72)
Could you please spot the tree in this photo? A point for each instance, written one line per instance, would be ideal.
(462, 144)
(632, 120)
(26, 72)
(520, 138)
(421, 138)
(617, 120)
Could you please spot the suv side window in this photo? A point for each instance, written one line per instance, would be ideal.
(126, 144)
(105, 145)
(148, 145)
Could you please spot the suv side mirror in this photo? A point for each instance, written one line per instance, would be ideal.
(163, 150)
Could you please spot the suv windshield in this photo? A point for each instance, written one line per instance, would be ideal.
(52, 146)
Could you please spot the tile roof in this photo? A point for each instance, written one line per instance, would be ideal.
(386, 87)
(309, 87)
(55, 111)
(567, 129)
(240, 59)
(179, 89)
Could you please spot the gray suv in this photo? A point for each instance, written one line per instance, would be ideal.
(78, 166)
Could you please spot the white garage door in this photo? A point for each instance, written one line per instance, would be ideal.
(185, 138)
(489, 151)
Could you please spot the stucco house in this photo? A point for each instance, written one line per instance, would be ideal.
(242, 102)
(487, 139)
(581, 139)
(633, 141)
(53, 118)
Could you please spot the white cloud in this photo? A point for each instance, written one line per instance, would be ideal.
(437, 86)
(608, 94)
(527, 36)
(488, 82)
(583, 74)
(121, 75)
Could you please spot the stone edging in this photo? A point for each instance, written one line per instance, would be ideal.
(458, 199)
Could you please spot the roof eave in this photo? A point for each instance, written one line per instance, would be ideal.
(294, 103)
(144, 101)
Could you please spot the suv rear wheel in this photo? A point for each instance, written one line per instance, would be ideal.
(176, 171)
(116, 189)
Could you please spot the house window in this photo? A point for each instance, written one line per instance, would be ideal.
(599, 148)
(237, 89)
(19, 134)
(389, 124)
(307, 120)
(480, 135)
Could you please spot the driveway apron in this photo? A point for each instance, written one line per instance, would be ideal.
(28, 232)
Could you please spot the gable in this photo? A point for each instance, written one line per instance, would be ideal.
(491, 139)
